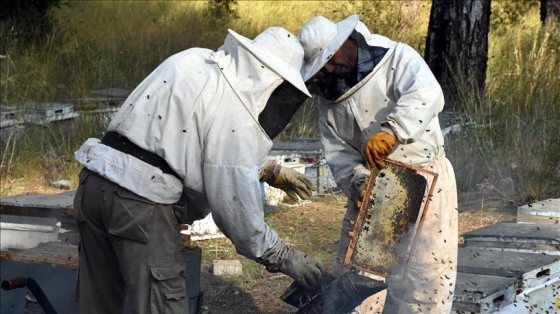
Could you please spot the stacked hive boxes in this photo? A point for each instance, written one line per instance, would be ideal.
(308, 153)
(509, 268)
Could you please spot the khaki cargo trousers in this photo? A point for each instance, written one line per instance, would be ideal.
(129, 247)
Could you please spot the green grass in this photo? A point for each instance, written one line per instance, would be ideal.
(510, 145)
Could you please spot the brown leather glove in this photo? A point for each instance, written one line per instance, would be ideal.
(293, 183)
(358, 192)
(378, 147)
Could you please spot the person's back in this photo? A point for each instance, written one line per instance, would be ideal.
(185, 143)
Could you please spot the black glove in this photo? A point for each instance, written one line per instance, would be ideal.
(358, 191)
(304, 269)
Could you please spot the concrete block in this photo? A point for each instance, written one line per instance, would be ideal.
(226, 267)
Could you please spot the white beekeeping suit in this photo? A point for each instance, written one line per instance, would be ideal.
(401, 97)
(218, 159)
(198, 113)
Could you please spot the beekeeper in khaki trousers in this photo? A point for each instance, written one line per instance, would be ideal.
(185, 143)
(379, 99)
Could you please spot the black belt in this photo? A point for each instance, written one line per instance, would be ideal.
(123, 144)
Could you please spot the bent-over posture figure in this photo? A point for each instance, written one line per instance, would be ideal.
(185, 143)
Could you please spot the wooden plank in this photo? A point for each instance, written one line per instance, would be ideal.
(517, 231)
(55, 201)
(544, 212)
(525, 247)
(538, 219)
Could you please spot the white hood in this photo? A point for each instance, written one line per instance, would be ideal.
(252, 82)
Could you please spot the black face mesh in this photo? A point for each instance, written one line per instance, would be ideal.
(388, 220)
(280, 108)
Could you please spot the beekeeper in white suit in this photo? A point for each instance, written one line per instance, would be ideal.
(186, 143)
(379, 99)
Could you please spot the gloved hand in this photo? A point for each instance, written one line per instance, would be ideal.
(378, 147)
(304, 269)
(293, 183)
(358, 192)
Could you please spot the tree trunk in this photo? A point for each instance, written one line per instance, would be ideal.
(549, 9)
(457, 46)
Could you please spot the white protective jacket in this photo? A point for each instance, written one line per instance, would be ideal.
(198, 110)
(400, 96)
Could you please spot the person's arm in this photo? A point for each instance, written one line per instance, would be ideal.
(418, 94)
(231, 175)
(345, 161)
(419, 99)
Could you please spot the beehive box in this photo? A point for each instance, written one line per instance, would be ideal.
(308, 152)
(320, 175)
(308, 149)
(544, 298)
(529, 269)
(545, 212)
(519, 237)
(25, 232)
(482, 293)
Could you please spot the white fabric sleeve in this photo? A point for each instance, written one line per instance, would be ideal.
(419, 97)
(235, 198)
(345, 161)
(231, 180)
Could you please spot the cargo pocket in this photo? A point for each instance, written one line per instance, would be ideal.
(180, 211)
(168, 289)
(131, 217)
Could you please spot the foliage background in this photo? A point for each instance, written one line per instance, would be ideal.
(508, 146)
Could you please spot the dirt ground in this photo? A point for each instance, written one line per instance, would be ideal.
(260, 293)
(312, 227)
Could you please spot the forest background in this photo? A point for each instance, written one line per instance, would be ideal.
(509, 139)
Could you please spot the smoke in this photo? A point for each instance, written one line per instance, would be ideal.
(336, 295)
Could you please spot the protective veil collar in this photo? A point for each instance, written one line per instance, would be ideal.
(252, 81)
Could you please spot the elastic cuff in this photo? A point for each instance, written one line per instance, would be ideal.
(269, 171)
(272, 258)
(386, 128)
(274, 171)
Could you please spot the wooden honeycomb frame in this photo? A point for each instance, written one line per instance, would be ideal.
(390, 216)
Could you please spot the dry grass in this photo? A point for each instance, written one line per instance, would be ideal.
(13, 186)
(312, 227)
